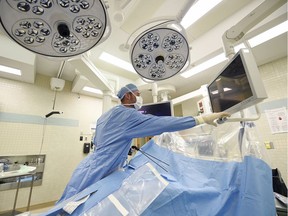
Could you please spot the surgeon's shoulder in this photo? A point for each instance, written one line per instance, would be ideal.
(122, 110)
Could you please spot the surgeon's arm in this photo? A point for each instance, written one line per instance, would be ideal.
(140, 125)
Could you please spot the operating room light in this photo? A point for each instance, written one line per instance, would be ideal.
(199, 9)
(269, 34)
(205, 65)
(160, 52)
(116, 61)
(10, 70)
(55, 28)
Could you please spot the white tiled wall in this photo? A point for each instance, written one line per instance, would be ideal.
(61, 143)
(274, 76)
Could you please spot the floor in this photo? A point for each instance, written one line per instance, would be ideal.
(34, 211)
(42, 210)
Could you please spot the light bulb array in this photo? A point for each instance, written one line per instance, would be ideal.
(59, 28)
(159, 53)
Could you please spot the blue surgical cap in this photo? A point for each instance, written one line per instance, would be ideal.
(128, 88)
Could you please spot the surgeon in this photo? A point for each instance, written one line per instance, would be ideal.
(115, 130)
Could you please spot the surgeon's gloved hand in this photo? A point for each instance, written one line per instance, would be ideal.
(210, 118)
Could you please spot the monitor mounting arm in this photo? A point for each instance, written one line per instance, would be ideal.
(236, 32)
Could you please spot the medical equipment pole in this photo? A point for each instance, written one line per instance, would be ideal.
(154, 92)
(107, 101)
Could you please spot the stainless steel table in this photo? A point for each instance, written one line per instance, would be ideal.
(24, 171)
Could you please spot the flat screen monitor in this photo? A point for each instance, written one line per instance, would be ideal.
(238, 85)
(158, 109)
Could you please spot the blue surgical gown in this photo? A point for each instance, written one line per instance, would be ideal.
(115, 130)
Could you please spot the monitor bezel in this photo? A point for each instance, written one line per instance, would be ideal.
(254, 79)
(158, 103)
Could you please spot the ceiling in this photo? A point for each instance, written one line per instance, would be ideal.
(128, 19)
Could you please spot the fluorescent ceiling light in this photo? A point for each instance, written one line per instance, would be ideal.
(199, 9)
(10, 70)
(116, 61)
(205, 65)
(269, 34)
(93, 90)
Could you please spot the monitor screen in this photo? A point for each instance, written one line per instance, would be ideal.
(157, 109)
(237, 86)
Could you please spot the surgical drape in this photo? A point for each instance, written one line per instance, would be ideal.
(115, 130)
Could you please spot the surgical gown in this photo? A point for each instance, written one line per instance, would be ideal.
(115, 130)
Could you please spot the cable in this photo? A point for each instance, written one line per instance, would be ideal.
(43, 134)
(149, 156)
(54, 101)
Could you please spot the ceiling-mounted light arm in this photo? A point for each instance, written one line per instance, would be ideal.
(159, 20)
(87, 68)
(153, 22)
(120, 5)
(185, 9)
(236, 32)
(61, 69)
(98, 74)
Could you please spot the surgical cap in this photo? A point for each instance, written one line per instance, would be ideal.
(128, 88)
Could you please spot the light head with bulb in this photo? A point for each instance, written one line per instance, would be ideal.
(55, 28)
(160, 52)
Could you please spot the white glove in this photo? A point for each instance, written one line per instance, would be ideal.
(210, 118)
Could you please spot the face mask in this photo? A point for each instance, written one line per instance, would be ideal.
(139, 102)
